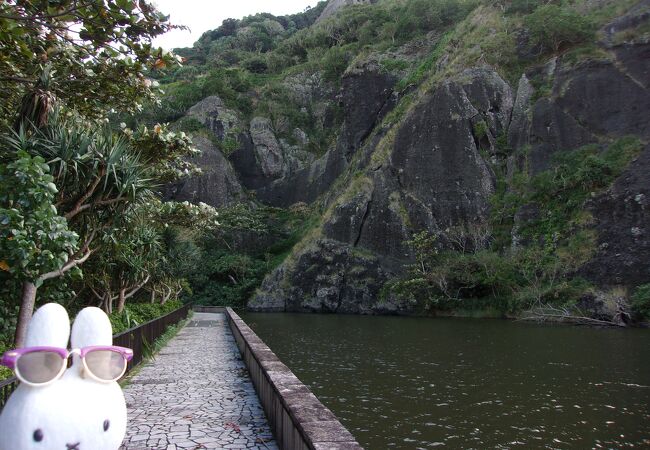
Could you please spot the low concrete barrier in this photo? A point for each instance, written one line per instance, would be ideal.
(298, 419)
(209, 309)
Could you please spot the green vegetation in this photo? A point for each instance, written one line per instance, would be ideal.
(248, 245)
(138, 313)
(423, 70)
(553, 27)
(80, 222)
(641, 301)
(97, 67)
(480, 129)
(167, 336)
(85, 147)
(473, 266)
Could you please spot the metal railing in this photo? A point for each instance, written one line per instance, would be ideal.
(6, 388)
(140, 339)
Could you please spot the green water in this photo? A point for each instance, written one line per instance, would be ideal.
(413, 383)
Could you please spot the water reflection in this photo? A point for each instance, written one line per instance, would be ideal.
(423, 383)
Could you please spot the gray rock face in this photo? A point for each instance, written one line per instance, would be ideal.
(244, 161)
(267, 148)
(435, 177)
(635, 59)
(553, 130)
(217, 186)
(333, 279)
(519, 128)
(622, 217)
(306, 184)
(595, 100)
(312, 93)
(262, 159)
(334, 5)
(605, 100)
(632, 54)
(366, 96)
(215, 116)
(491, 96)
(437, 174)
(436, 169)
(437, 161)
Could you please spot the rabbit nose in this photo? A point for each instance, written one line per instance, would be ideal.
(73, 446)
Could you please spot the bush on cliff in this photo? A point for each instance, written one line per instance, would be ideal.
(553, 27)
(470, 267)
(641, 302)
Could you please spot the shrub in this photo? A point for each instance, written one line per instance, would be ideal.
(334, 63)
(256, 64)
(554, 27)
(136, 314)
(4, 371)
(525, 6)
(188, 125)
(641, 301)
(480, 129)
(421, 16)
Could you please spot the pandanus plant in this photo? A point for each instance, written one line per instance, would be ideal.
(60, 174)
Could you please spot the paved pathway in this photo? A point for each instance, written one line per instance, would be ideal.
(196, 394)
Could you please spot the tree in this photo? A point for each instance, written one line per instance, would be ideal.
(94, 177)
(145, 249)
(99, 175)
(69, 181)
(35, 241)
(125, 262)
(97, 50)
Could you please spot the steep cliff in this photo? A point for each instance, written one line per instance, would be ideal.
(491, 152)
(335, 5)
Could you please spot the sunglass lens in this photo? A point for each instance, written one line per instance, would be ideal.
(39, 367)
(106, 365)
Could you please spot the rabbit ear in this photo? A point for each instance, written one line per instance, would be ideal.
(49, 326)
(91, 327)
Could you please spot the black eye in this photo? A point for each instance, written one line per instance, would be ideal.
(107, 424)
(38, 435)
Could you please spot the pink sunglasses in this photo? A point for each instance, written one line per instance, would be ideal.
(40, 366)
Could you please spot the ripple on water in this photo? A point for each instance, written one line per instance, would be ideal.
(420, 383)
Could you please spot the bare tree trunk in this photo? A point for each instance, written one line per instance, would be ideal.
(108, 302)
(26, 310)
(153, 295)
(29, 292)
(166, 297)
(121, 301)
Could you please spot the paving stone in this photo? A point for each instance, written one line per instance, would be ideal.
(196, 394)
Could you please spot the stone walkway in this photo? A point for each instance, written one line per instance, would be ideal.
(196, 394)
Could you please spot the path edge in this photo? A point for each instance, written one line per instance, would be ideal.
(299, 420)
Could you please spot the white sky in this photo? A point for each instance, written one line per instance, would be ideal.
(204, 15)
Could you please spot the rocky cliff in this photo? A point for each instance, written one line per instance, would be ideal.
(335, 5)
(428, 135)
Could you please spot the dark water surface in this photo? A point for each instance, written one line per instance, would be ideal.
(410, 383)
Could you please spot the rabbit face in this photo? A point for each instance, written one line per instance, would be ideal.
(71, 414)
(74, 412)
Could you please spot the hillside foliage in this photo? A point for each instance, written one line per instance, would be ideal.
(80, 220)
(94, 124)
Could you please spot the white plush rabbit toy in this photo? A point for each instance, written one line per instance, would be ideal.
(54, 408)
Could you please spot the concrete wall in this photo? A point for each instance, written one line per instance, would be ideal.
(298, 419)
(209, 309)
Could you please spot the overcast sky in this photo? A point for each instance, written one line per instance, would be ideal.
(204, 15)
